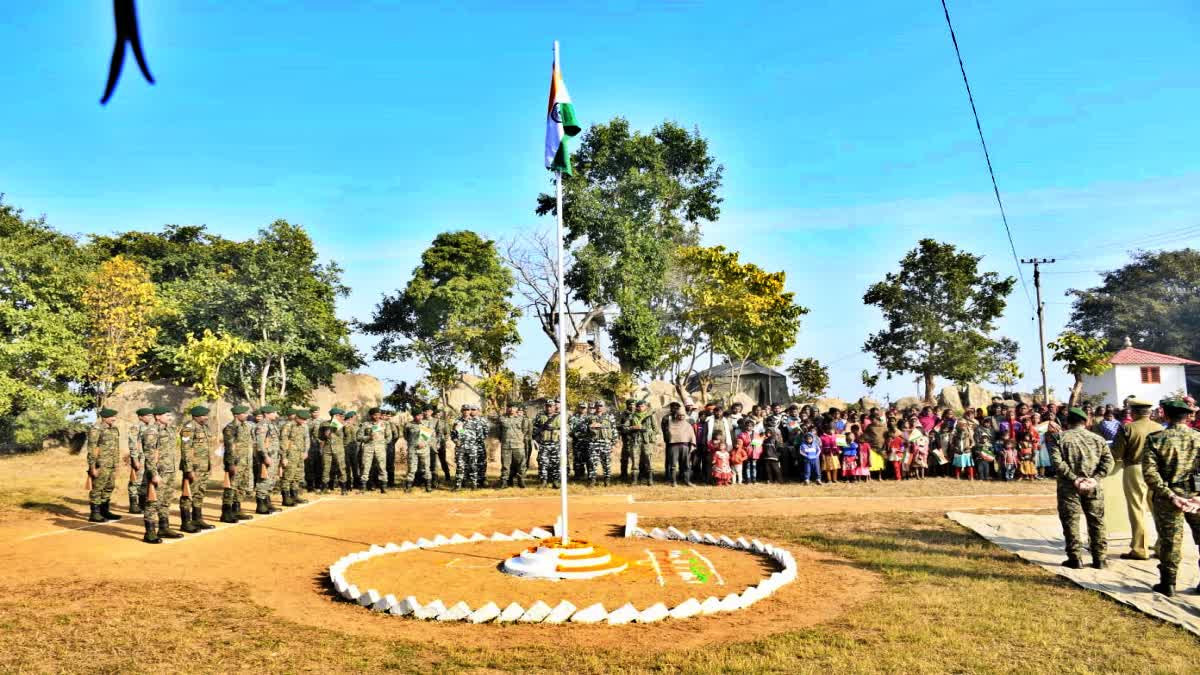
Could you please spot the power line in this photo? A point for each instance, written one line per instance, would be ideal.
(986, 155)
(1178, 235)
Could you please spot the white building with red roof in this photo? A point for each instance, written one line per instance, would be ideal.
(1137, 372)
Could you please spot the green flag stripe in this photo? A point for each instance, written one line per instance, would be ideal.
(562, 160)
(566, 112)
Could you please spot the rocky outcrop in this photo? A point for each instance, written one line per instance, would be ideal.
(865, 404)
(976, 396)
(466, 391)
(910, 402)
(349, 391)
(583, 358)
(827, 403)
(949, 397)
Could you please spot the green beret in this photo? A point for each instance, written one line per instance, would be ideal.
(161, 410)
(643, 402)
(240, 409)
(107, 413)
(630, 401)
(1177, 405)
(314, 409)
(348, 414)
(336, 411)
(142, 412)
(1077, 413)
(268, 409)
(303, 414)
(372, 411)
(198, 411)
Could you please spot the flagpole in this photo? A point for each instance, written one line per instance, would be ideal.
(562, 349)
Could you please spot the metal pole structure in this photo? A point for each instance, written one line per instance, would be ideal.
(562, 348)
(1041, 307)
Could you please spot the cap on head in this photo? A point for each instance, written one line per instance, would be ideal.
(161, 410)
(240, 409)
(1077, 414)
(347, 414)
(106, 413)
(198, 411)
(1177, 405)
(374, 411)
(268, 409)
(143, 412)
(303, 414)
(1134, 402)
(336, 411)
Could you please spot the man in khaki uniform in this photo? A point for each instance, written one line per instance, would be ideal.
(1128, 449)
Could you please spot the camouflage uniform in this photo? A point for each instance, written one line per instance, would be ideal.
(238, 439)
(293, 441)
(600, 441)
(161, 459)
(195, 458)
(545, 431)
(333, 448)
(514, 438)
(441, 442)
(640, 442)
(392, 434)
(136, 460)
(578, 457)
(372, 442)
(419, 436)
(628, 460)
(1170, 466)
(1081, 454)
(266, 462)
(104, 451)
(465, 464)
(482, 429)
(353, 452)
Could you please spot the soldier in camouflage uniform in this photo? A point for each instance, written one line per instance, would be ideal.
(482, 429)
(419, 437)
(312, 462)
(602, 431)
(332, 436)
(1081, 460)
(628, 460)
(238, 440)
(293, 442)
(640, 434)
(514, 438)
(441, 431)
(1170, 466)
(266, 460)
(134, 440)
(392, 435)
(351, 422)
(545, 433)
(195, 460)
(576, 427)
(161, 450)
(103, 453)
(464, 448)
(372, 443)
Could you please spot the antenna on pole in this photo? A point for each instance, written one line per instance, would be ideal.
(1041, 306)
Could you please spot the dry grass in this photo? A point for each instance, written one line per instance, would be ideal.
(949, 602)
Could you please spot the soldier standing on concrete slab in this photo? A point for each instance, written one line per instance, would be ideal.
(1081, 460)
(1170, 465)
(1128, 449)
(103, 453)
(238, 439)
(133, 439)
(195, 460)
(511, 428)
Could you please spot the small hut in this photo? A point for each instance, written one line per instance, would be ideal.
(760, 383)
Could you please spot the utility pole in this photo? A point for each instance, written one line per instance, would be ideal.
(1041, 306)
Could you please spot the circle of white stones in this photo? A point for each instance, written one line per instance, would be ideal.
(563, 612)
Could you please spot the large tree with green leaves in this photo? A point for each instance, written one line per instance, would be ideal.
(1154, 301)
(456, 311)
(1081, 355)
(634, 199)
(42, 325)
(810, 377)
(940, 311)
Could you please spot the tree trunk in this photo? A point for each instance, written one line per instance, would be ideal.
(1076, 390)
(928, 386)
(262, 382)
(282, 377)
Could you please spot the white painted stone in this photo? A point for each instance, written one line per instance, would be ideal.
(458, 612)
(457, 538)
(539, 533)
(653, 613)
(485, 614)
(369, 598)
(631, 526)
(757, 546)
(711, 605)
(391, 547)
(536, 613)
(752, 595)
(351, 593)
(511, 613)
(590, 614)
(742, 543)
(674, 533)
(558, 527)
(375, 550)
(561, 612)
(425, 543)
(520, 535)
(407, 546)
(431, 611)
(769, 550)
(342, 588)
(695, 537)
(768, 586)
(686, 609)
(731, 603)
(478, 536)
(406, 606)
(500, 536)
(656, 533)
(384, 604)
(623, 614)
(725, 541)
(711, 540)
(440, 540)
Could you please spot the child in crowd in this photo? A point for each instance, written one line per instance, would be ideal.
(721, 472)
(1010, 458)
(850, 458)
(830, 462)
(895, 451)
(737, 456)
(809, 451)
(768, 465)
(918, 451)
(1025, 452)
(754, 453)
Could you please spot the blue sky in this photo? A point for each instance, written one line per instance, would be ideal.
(844, 131)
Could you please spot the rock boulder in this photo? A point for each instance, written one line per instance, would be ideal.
(825, 404)
(865, 404)
(949, 397)
(977, 397)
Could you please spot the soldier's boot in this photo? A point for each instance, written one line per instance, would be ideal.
(1098, 561)
(165, 531)
(383, 488)
(606, 481)
(1073, 562)
(503, 483)
(296, 498)
(1166, 586)
(285, 498)
(185, 518)
(591, 481)
(408, 486)
(237, 511)
(198, 519)
(106, 513)
(151, 536)
(429, 486)
(135, 504)
(227, 513)
(95, 516)
(261, 506)
(521, 481)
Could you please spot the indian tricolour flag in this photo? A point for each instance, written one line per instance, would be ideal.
(560, 123)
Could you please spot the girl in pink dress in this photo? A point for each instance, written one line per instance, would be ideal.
(721, 472)
(830, 462)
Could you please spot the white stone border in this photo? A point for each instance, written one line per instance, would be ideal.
(563, 612)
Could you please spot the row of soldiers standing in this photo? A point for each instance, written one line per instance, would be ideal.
(592, 432)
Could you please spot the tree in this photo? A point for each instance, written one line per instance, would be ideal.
(810, 377)
(870, 381)
(940, 310)
(533, 259)
(634, 199)
(200, 361)
(1007, 374)
(1081, 355)
(121, 303)
(1154, 301)
(455, 311)
(741, 310)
